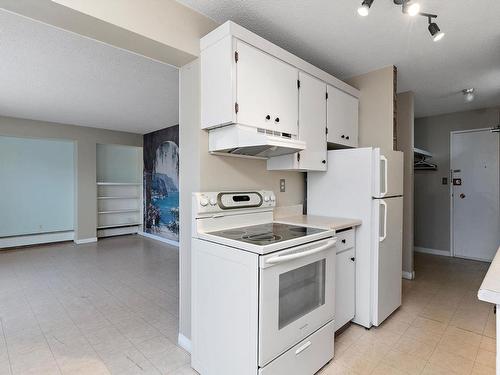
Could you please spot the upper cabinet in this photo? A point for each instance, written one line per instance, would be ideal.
(342, 118)
(312, 129)
(266, 91)
(277, 102)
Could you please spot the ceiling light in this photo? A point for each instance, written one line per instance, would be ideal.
(411, 8)
(435, 31)
(364, 9)
(469, 94)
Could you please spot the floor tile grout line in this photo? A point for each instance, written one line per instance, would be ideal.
(6, 346)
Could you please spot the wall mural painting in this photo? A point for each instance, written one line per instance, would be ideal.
(161, 183)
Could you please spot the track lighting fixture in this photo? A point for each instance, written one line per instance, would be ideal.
(410, 8)
(364, 9)
(469, 94)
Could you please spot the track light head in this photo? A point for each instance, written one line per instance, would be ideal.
(435, 31)
(411, 8)
(364, 9)
(469, 94)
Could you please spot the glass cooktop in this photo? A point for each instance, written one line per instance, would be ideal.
(266, 234)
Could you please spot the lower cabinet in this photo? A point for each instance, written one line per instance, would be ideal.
(344, 287)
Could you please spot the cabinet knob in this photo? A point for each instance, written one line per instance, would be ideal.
(277, 119)
(353, 259)
(342, 136)
(323, 161)
(268, 117)
(347, 137)
(343, 241)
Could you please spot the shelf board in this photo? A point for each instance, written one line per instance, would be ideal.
(118, 225)
(119, 211)
(124, 197)
(419, 151)
(119, 183)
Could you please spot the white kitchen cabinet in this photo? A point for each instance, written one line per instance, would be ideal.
(345, 269)
(266, 91)
(342, 118)
(244, 85)
(312, 129)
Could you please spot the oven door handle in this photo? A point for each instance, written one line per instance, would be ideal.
(286, 258)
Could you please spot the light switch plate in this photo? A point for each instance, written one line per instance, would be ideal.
(282, 185)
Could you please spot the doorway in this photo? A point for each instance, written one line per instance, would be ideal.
(474, 194)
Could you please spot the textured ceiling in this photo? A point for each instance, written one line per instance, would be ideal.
(332, 36)
(52, 75)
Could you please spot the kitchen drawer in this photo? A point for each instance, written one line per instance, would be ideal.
(305, 358)
(345, 240)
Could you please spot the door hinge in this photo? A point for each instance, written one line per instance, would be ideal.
(236, 107)
(326, 130)
(298, 83)
(298, 156)
(236, 56)
(326, 96)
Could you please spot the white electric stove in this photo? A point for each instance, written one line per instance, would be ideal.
(262, 291)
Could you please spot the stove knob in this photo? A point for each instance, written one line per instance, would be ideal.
(203, 201)
(266, 199)
(213, 201)
(273, 198)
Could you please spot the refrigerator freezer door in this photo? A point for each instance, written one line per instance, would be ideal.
(387, 173)
(387, 265)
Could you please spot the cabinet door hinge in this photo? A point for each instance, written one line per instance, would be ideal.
(298, 83)
(236, 107)
(326, 130)
(236, 56)
(326, 96)
(298, 156)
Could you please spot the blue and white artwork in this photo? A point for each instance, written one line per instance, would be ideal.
(161, 183)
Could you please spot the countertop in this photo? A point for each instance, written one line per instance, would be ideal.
(336, 223)
(490, 288)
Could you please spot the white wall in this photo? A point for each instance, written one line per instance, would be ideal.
(432, 202)
(37, 186)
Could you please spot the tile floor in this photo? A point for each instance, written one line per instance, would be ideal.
(112, 308)
(105, 308)
(441, 328)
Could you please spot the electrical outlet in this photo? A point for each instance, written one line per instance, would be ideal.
(282, 185)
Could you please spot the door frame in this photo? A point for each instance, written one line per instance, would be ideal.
(450, 179)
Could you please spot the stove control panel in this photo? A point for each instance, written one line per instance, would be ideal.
(208, 202)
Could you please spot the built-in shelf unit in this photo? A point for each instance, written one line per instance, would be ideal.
(119, 190)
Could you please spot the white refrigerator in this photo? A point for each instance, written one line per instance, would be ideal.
(366, 184)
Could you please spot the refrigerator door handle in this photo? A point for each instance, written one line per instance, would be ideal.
(382, 203)
(384, 159)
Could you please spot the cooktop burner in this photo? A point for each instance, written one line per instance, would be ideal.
(266, 234)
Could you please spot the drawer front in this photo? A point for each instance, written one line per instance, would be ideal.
(345, 240)
(305, 358)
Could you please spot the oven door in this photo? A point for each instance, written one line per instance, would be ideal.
(296, 296)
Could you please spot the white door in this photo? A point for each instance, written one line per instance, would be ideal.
(312, 122)
(475, 194)
(344, 287)
(388, 257)
(267, 92)
(342, 117)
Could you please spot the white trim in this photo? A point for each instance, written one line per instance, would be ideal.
(409, 275)
(158, 238)
(34, 239)
(86, 240)
(184, 343)
(427, 250)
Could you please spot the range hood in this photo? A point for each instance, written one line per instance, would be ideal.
(246, 141)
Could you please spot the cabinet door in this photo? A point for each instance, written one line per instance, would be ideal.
(344, 287)
(342, 116)
(312, 123)
(266, 91)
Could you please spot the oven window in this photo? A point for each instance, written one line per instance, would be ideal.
(301, 290)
